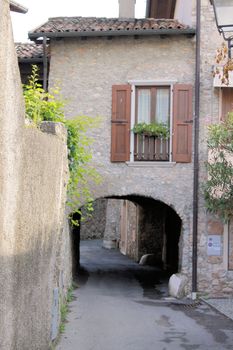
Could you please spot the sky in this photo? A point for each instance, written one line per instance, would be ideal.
(40, 10)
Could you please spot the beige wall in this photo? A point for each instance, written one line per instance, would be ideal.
(87, 70)
(213, 277)
(33, 176)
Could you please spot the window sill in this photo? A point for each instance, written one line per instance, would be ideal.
(151, 164)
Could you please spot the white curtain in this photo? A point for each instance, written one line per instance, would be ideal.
(162, 106)
(144, 103)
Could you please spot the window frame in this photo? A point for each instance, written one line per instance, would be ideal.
(149, 83)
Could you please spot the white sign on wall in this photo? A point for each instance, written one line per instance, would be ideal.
(214, 245)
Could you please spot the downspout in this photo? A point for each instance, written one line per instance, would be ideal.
(45, 63)
(196, 151)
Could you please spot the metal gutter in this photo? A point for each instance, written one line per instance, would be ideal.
(45, 64)
(144, 32)
(196, 150)
(148, 3)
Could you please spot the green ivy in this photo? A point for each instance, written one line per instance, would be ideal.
(49, 106)
(152, 129)
(218, 189)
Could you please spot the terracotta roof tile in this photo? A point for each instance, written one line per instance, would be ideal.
(84, 26)
(29, 51)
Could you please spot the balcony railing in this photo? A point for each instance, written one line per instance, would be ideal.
(150, 148)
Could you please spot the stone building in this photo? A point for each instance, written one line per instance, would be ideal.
(131, 71)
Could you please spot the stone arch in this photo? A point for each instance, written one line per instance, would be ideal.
(114, 240)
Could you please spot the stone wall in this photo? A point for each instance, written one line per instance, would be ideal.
(131, 224)
(213, 276)
(34, 245)
(93, 226)
(92, 67)
(151, 227)
(112, 228)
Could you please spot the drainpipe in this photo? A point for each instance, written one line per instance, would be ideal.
(196, 151)
(45, 63)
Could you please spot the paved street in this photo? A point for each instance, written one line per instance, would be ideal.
(122, 306)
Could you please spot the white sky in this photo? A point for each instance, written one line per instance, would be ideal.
(40, 10)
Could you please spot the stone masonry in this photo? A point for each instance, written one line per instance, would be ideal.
(91, 67)
(96, 63)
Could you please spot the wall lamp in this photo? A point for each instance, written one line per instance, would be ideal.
(223, 11)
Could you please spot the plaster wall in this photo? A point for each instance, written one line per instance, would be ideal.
(34, 246)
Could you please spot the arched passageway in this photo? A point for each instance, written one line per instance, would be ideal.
(146, 230)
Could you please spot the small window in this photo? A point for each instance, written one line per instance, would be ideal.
(153, 105)
(227, 102)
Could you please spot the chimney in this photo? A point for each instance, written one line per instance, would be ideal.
(127, 8)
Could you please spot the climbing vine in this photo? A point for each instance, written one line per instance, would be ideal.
(218, 189)
(49, 106)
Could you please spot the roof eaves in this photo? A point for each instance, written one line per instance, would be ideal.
(142, 32)
(15, 7)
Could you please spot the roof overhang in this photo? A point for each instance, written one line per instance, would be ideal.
(113, 33)
(15, 7)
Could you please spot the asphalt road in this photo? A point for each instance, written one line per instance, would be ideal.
(123, 306)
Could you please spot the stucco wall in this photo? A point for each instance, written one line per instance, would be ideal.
(33, 176)
(37, 265)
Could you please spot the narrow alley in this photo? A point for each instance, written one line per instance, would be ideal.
(122, 305)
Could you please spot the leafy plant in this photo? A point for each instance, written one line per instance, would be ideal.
(218, 189)
(64, 308)
(226, 64)
(152, 129)
(49, 106)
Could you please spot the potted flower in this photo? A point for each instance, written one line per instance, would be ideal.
(160, 130)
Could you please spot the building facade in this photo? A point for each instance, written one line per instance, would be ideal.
(142, 71)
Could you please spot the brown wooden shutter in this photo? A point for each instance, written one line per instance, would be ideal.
(227, 102)
(182, 123)
(121, 102)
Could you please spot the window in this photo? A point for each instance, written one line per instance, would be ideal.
(227, 102)
(151, 104)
